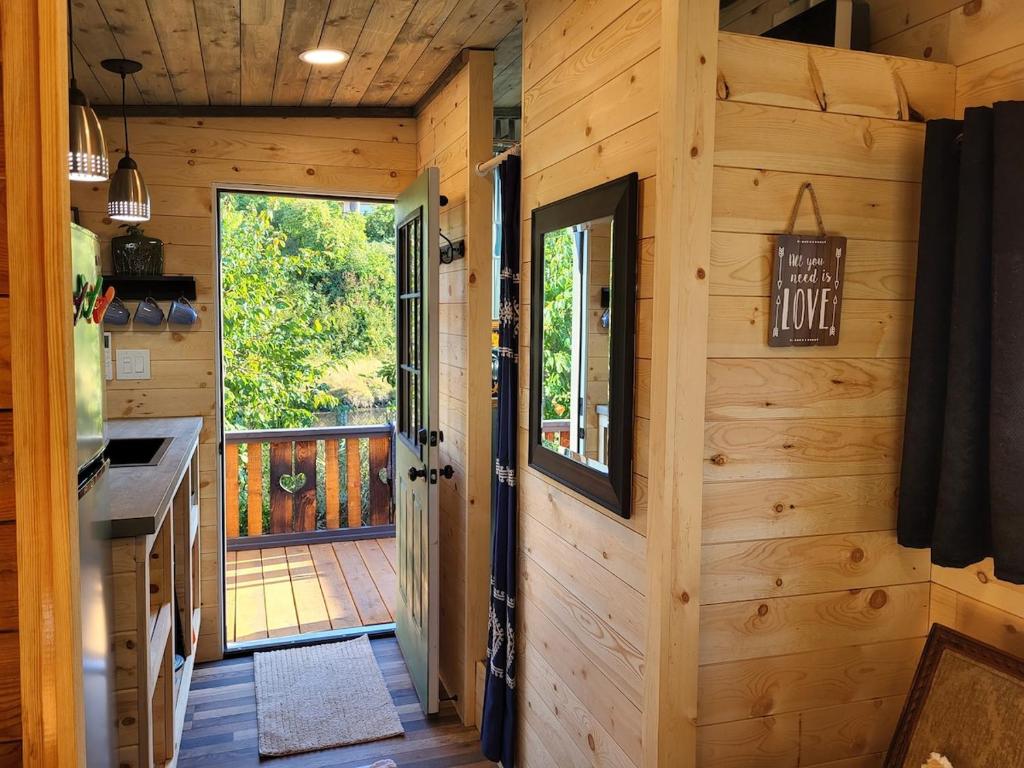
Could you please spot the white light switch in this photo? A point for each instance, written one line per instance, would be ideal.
(133, 364)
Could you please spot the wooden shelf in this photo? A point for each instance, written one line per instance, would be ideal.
(193, 528)
(158, 643)
(159, 287)
(158, 577)
(181, 704)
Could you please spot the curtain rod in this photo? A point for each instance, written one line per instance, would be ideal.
(482, 169)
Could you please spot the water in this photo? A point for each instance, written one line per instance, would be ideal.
(362, 417)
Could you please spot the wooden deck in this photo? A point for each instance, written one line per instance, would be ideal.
(284, 591)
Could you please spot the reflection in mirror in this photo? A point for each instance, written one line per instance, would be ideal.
(575, 337)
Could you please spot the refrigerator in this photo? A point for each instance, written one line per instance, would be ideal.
(93, 520)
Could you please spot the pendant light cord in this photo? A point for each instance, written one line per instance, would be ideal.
(124, 113)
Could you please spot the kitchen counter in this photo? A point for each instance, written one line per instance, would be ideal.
(140, 495)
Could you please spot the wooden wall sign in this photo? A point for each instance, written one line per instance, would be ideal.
(807, 286)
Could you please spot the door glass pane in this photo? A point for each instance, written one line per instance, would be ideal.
(410, 368)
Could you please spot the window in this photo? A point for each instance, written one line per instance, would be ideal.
(410, 330)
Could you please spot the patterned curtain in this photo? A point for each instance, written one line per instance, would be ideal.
(498, 734)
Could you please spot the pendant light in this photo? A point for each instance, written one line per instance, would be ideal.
(87, 149)
(128, 199)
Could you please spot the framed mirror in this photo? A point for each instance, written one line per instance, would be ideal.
(582, 341)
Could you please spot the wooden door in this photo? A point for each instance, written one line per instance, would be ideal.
(417, 434)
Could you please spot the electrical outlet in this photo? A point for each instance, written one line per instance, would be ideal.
(133, 364)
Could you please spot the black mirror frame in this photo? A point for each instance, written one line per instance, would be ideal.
(619, 199)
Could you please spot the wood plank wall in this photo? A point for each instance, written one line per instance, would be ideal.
(590, 114)
(182, 161)
(953, 31)
(812, 616)
(10, 688)
(454, 132)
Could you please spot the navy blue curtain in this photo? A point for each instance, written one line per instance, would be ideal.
(498, 733)
(963, 445)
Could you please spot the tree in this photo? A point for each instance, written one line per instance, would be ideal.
(327, 274)
(559, 268)
(274, 346)
(380, 224)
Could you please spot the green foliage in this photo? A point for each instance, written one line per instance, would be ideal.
(559, 268)
(306, 288)
(380, 224)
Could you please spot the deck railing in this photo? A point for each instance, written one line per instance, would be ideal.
(555, 431)
(280, 483)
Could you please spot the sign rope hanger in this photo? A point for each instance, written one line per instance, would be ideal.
(807, 283)
(806, 187)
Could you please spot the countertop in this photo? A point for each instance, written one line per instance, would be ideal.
(139, 496)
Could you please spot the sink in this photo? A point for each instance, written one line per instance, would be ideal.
(137, 451)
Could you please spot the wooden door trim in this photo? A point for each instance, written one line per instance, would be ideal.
(35, 71)
(685, 168)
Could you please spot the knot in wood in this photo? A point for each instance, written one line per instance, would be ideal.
(719, 460)
(878, 599)
(762, 706)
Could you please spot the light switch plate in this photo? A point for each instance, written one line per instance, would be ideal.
(133, 364)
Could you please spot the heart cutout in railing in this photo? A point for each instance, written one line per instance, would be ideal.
(292, 483)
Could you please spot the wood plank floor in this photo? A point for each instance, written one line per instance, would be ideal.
(284, 591)
(220, 724)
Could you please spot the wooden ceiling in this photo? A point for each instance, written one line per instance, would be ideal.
(245, 52)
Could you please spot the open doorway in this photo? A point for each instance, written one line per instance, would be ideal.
(307, 353)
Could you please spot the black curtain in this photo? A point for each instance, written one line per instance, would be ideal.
(963, 449)
(498, 732)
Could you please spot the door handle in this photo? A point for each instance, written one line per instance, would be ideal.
(448, 472)
(415, 474)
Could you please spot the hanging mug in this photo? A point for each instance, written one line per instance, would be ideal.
(182, 312)
(117, 313)
(149, 313)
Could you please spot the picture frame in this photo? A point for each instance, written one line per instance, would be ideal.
(618, 199)
(966, 703)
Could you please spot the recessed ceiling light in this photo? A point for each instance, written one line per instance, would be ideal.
(323, 56)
